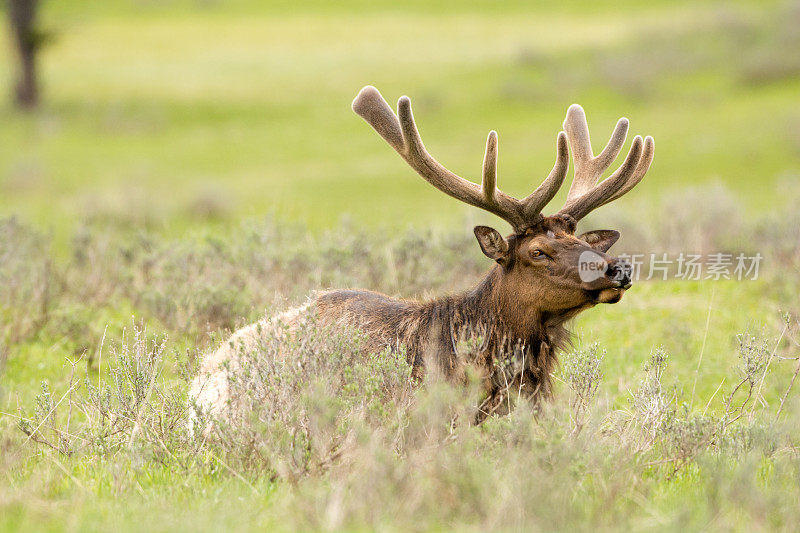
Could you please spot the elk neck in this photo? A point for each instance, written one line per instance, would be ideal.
(488, 303)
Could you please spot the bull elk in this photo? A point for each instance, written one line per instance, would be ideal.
(522, 304)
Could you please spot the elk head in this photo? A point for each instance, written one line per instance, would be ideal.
(542, 266)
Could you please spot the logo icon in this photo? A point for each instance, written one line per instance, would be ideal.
(591, 266)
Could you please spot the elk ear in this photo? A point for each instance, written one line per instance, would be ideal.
(494, 245)
(601, 239)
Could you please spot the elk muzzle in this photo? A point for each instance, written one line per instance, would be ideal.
(620, 271)
(605, 278)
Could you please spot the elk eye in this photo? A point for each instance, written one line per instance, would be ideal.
(538, 254)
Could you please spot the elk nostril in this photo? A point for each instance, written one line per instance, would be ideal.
(620, 272)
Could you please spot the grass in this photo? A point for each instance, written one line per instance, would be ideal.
(168, 132)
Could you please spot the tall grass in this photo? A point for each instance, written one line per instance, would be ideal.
(349, 443)
(330, 439)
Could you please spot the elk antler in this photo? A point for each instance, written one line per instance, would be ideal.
(402, 135)
(585, 194)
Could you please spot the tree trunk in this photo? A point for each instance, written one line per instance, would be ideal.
(22, 15)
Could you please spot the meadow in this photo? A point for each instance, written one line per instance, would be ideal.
(196, 165)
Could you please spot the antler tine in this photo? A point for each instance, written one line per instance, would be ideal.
(588, 167)
(400, 131)
(641, 169)
(370, 105)
(580, 206)
(586, 194)
(545, 192)
(489, 181)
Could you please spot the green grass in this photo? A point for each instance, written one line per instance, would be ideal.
(167, 128)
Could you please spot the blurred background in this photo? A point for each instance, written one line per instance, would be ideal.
(179, 114)
(172, 170)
